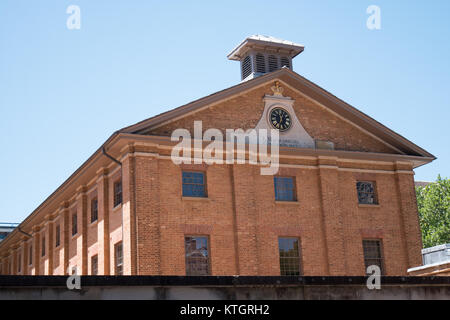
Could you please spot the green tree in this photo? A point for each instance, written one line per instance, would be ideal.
(433, 202)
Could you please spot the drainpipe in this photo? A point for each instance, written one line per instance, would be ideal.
(111, 157)
(23, 232)
(121, 177)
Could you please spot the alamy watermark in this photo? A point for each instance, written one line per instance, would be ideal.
(219, 151)
(374, 20)
(74, 20)
(374, 280)
(73, 282)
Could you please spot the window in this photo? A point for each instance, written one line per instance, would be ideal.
(43, 246)
(289, 256)
(246, 67)
(30, 258)
(19, 262)
(74, 224)
(260, 63)
(94, 265)
(284, 189)
(366, 192)
(3, 235)
(197, 257)
(58, 236)
(273, 63)
(94, 210)
(117, 193)
(285, 62)
(194, 184)
(373, 254)
(118, 259)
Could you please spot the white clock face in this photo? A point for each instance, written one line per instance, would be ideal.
(280, 119)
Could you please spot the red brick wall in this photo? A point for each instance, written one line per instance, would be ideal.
(241, 206)
(245, 111)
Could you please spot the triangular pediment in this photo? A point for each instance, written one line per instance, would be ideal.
(322, 116)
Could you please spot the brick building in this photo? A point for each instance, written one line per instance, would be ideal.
(342, 199)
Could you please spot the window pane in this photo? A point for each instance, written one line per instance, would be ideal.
(94, 265)
(197, 259)
(366, 192)
(373, 254)
(289, 256)
(193, 184)
(43, 246)
(119, 258)
(284, 189)
(58, 235)
(117, 193)
(94, 210)
(74, 224)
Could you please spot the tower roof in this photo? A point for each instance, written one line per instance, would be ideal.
(266, 43)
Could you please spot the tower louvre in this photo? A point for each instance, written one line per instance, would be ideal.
(263, 54)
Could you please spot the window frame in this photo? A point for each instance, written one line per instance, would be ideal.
(94, 213)
(294, 188)
(382, 262)
(117, 196)
(19, 262)
(208, 261)
(57, 235)
(205, 184)
(30, 253)
(94, 258)
(74, 225)
(375, 193)
(116, 264)
(299, 257)
(43, 253)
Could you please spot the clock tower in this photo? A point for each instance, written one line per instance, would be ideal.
(260, 55)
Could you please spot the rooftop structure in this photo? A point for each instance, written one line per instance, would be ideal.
(263, 54)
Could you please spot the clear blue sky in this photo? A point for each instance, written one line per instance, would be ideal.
(63, 92)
